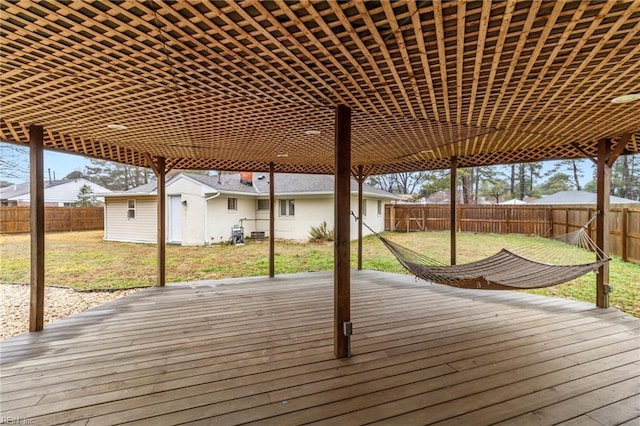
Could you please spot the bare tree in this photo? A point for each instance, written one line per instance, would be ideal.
(14, 162)
(400, 183)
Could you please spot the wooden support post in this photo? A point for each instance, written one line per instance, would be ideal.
(36, 163)
(602, 221)
(360, 179)
(272, 226)
(160, 169)
(342, 279)
(453, 213)
(162, 222)
(624, 233)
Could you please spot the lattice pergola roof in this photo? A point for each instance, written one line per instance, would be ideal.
(235, 85)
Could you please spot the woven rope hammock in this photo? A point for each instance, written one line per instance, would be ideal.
(504, 270)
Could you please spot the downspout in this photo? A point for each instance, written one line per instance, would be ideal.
(206, 215)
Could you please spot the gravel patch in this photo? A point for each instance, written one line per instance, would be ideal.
(58, 303)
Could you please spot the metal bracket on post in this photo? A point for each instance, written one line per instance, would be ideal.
(608, 288)
(347, 329)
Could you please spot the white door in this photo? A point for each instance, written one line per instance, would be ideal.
(175, 219)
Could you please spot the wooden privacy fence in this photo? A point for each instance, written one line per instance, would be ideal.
(15, 220)
(544, 220)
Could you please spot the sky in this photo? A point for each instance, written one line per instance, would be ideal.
(58, 163)
(61, 164)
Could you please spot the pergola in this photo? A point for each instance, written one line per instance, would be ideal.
(352, 87)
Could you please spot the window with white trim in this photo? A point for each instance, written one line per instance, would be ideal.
(379, 207)
(288, 208)
(131, 209)
(364, 207)
(263, 205)
(232, 204)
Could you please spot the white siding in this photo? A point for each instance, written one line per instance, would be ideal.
(193, 210)
(372, 219)
(312, 212)
(220, 219)
(210, 222)
(117, 227)
(309, 212)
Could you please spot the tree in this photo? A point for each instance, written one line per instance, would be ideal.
(486, 175)
(535, 171)
(384, 182)
(625, 177)
(85, 198)
(573, 169)
(400, 183)
(14, 162)
(466, 177)
(494, 188)
(556, 183)
(436, 181)
(522, 180)
(512, 181)
(116, 176)
(76, 174)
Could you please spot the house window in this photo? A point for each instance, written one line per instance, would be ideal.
(263, 204)
(364, 207)
(131, 209)
(287, 208)
(379, 207)
(232, 204)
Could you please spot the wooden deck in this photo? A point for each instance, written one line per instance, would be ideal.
(260, 351)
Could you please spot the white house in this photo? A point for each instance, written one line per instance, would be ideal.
(203, 209)
(60, 193)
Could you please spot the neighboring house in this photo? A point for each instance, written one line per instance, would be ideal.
(58, 193)
(513, 201)
(203, 209)
(578, 197)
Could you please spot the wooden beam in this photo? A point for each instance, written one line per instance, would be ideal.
(272, 226)
(453, 214)
(585, 153)
(360, 179)
(152, 164)
(342, 278)
(602, 221)
(618, 150)
(36, 165)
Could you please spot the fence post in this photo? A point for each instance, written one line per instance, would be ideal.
(392, 218)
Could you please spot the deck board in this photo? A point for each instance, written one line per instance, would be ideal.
(260, 351)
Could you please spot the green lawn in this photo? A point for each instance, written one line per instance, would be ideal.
(84, 261)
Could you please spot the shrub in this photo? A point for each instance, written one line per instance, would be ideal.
(321, 233)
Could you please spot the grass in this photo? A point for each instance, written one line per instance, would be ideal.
(84, 261)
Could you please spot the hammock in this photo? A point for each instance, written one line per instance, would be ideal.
(504, 270)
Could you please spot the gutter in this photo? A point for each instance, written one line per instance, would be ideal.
(206, 215)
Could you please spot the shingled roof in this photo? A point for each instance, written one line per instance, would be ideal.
(284, 184)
